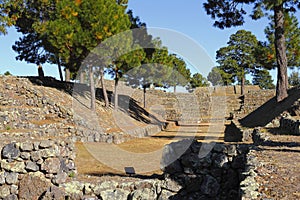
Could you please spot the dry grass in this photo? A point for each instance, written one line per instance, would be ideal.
(144, 145)
(88, 165)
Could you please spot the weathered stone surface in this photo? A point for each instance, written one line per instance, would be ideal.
(172, 152)
(26, 146)
(213, 175)
(105, 186)
(60, 178)
(10, 151)
(89, 197)
(46, 144)
(165, 194)
(32, 167)
(235, 133)
(144, 194)
(115, 194)
(51, 165)
(4, 191)
(67, 165)
(220, 148)
(54, 192)
(74, 189)
(291, 125)
(231, 150)
(36, 155)
(36, 145)
(11, 178)
(11, 197)
(210, 186)
(173, 168)
(14, 166)
(2, 178)
(220, 160)
(47, 153)
(171, 185)
(25, 155)
(32, 186)
(14, 189)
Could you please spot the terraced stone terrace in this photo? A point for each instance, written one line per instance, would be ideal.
(46, 118)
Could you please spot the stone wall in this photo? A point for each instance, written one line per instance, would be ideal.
(30, 111)
(208, 171)
(201, 171)
(44, 170)
(29, 168)
(187, 108)
(291, 125)
(234, 132)
(255, 99)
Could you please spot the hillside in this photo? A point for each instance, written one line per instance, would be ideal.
(29, 107)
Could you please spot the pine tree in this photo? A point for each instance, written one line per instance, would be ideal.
(263, 79)
(198, 80)
(216, 77)
(238, 58)
(79, 27)
(180, 75)
(231, 13)
(292, 40)
(154, 70)
(294, 79)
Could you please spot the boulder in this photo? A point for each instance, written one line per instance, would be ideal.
(10, 151)
(11, 178)
(4, 191)
(32, 167)
(119, 194)
(32, 186)
(144, 194)
(51, 165)
(54, 192)
(210, 186)
(15, 166)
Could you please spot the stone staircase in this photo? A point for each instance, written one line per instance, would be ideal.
(202, 106)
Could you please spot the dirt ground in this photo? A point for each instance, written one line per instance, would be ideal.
(279, 170)
(144, 154)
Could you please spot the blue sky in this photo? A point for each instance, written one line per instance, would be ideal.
(185, 17)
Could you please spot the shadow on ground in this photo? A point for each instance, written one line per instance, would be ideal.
(126, 103)
(270, 110)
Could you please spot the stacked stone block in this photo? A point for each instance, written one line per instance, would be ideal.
(31, 162)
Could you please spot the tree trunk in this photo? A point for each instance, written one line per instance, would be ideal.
(243, 85)
(116, 89)
(144, 89)
(82, 76)
(104, 88)
(174, 88)
(282, 77)
(92, 86)
(67, 75)
(59, 70)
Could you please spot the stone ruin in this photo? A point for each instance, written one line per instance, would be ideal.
(31, 164)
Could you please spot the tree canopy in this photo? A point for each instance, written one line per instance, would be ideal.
(219, 77)
(263, 79)
(197, 80)
(229, 13)
(292, 40)
(238, 58)
(294, 78)
(180, 75)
